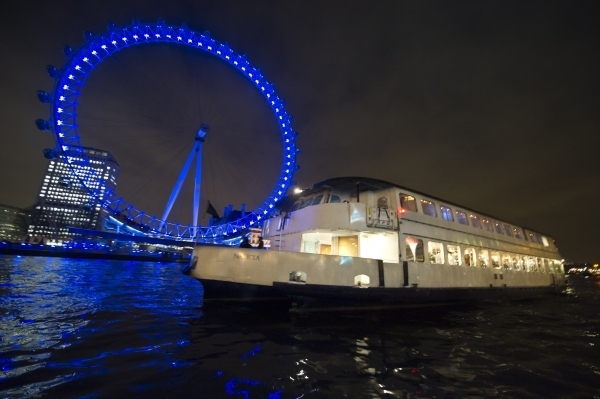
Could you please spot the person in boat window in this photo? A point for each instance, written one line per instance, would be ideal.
(245, 243)
(261, 243)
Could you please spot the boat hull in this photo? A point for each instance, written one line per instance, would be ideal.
(247, 275)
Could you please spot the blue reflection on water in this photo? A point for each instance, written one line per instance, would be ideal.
(65, 319)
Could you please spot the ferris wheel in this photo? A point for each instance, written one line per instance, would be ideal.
(64, 101)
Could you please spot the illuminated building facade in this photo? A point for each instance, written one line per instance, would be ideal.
(13, 223)
(64, 202)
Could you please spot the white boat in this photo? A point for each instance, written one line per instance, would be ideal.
(355, 241)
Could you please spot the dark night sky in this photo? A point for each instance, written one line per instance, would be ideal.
(491, 104)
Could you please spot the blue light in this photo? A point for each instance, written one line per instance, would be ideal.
(70, 81)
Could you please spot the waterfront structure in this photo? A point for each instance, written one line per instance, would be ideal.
(70, 79)
(356, 241)
(13, 223)
(63, 201)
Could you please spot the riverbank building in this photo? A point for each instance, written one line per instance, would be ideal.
(66, 196)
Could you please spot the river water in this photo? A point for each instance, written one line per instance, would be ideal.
(93, 329)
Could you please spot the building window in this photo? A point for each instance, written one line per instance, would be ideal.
(508, 230)
(495, 258)
(436, 252)
(487, 225)
(484, 259)
(470, 257)
(428, 208)
(446, 213)
(454, 255)
(407, 203)
(414, 250)
(475, 221)
(461, 217)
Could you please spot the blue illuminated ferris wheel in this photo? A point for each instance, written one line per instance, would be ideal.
(64, 101)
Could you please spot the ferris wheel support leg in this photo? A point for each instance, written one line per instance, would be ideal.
(177, 187)
(197, 183)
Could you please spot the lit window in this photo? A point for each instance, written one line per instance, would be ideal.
(545, 268)
(414, 250)
(487, 225)
(506, 261)
(407, 203)
(475, 221)
(545, 241)
(518, 233)
(484, 259)
(498, 228)
(461, 217)
(436, 252)
(495, 257)
(428, 208)
(454, 255)
(530, 264)
(446, 213)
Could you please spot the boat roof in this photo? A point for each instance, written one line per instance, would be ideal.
(363, 184)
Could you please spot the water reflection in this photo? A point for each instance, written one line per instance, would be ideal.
(111, 329)
(68, 319)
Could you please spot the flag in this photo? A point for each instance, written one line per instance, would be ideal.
(212, 211)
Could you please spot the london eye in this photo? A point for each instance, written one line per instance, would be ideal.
(65, 123)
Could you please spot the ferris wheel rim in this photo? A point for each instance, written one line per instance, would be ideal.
(70, 79)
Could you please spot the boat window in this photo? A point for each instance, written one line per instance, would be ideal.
(518, 262)
(484, 259)
(317, 199)
(462, 218)
(414, 250)
(528, 264)
(532, 237)
(540, 265)
(470, 257)
(506, 261)
(475, 222)
(446, 213)
(305, 203)
(334, 199)
(545, 241)
(545, 266)
(436, 252)
(498, 228)
(554, 266)
(487, 224)
(408, 203)
(428, 208)
(495, 257)
(295, 207)
(508, 230)
(454, 255)
(518, 233)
